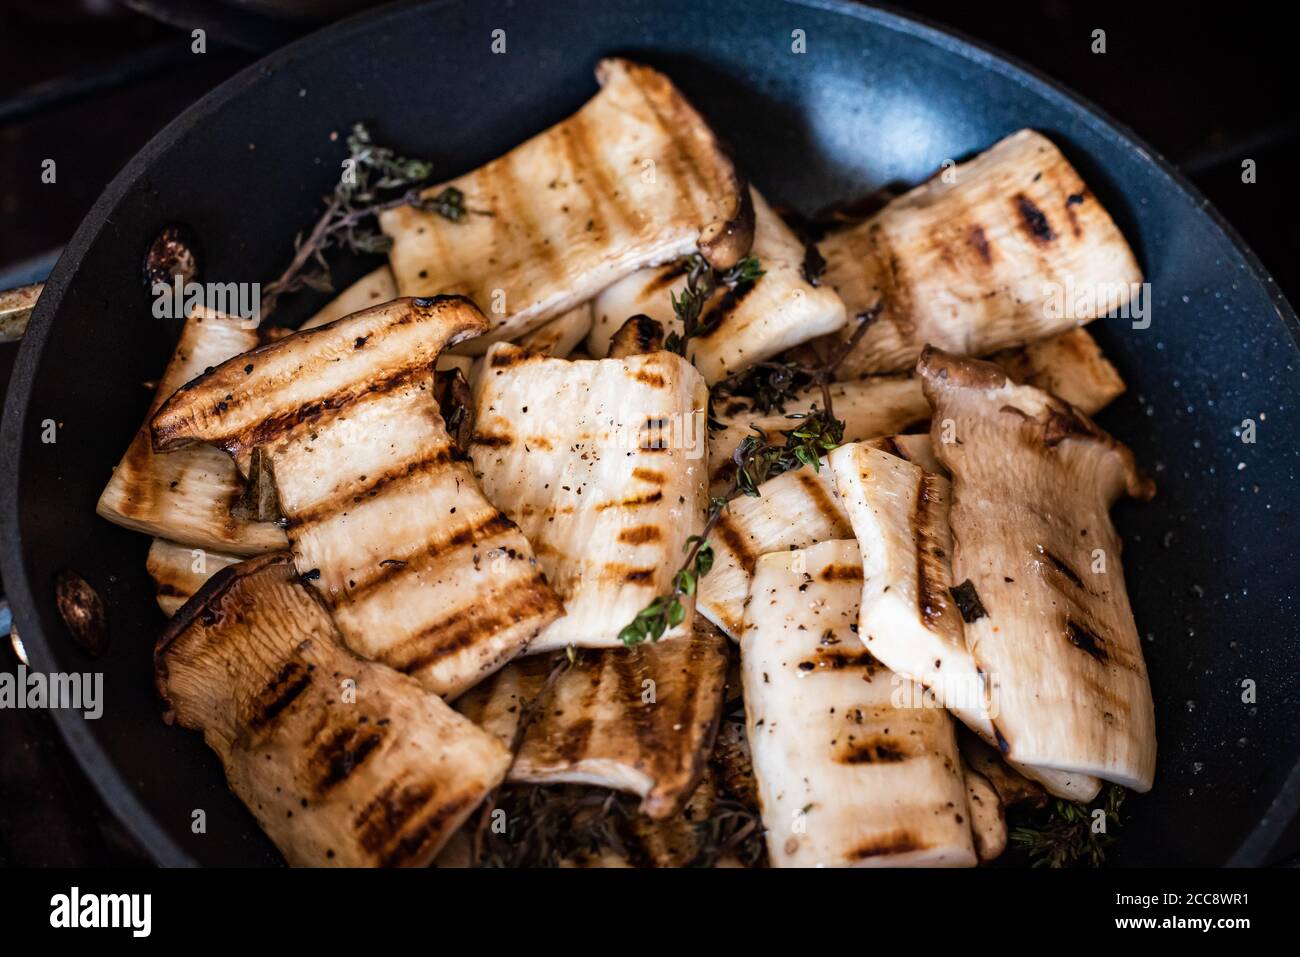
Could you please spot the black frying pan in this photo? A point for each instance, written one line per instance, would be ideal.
(875, 99)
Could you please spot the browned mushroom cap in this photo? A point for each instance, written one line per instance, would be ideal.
(636, 337)
(342, 761)
(944, 374)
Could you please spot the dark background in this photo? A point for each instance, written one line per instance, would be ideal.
(87, 83)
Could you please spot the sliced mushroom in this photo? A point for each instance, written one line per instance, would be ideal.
(178, 571)
(602, 465)
(910, 615)
(342, 761)
(988, 821)
(995, 253)
(634, 178)
(1033, 482)
(854, 768)
(187, 497)
(1070, 365)
(740, 327)
(421, 571)
(639, 719)
(561, 335)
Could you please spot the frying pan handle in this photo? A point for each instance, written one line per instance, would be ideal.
(16, 307)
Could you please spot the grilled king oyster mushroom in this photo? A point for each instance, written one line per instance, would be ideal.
(384, 516)
(633, 179)
(1038, 560)
(852, 769)
(187, 497)
(602, 464)
(995, 253)
(638, 719)
(344, 762)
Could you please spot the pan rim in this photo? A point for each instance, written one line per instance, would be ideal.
(122, 799)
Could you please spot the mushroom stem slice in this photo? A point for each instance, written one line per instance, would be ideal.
(187, 496)
(1033, 483)
(996, 253)
(384, 516)
(639, 719)
(855, 765)
(633, 179)
(342, 761)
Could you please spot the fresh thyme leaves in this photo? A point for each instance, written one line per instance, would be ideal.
(667, 611)
(374, 179)
(701, 283)
(1067, 836)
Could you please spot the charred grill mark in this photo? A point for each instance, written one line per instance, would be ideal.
(652, 379)
(285, 688)
(573, 740)
(1034, 219)
(821, 500)
(712, 319)
(531, 599)
(280, 424)
(335, 758)
(587, 159)
(842, 573)
(735, 542)
(1064, 569)
(981, 243)
(880, 751)
(506, 358)
(892, 842)
(930, 599)
(411, 846)
(491, 440)
(373, 488)
(638, 716)
(640, 534)
(487, 526)
(834, 659)
(635, 502)
(652, 476)
(1085, 640)
(629, 576)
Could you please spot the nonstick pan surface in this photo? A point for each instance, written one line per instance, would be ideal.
(875, 99)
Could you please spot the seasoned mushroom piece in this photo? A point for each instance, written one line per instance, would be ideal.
(997, 252)
(638, 719)
(384, 516)
(633, 179)
(187, 496)
(602, 465)
(854, 766)
(342, 761)
(1046, 610)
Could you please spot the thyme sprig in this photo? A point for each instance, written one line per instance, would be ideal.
(701, 283)
(1066, 837)
(375, 178)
